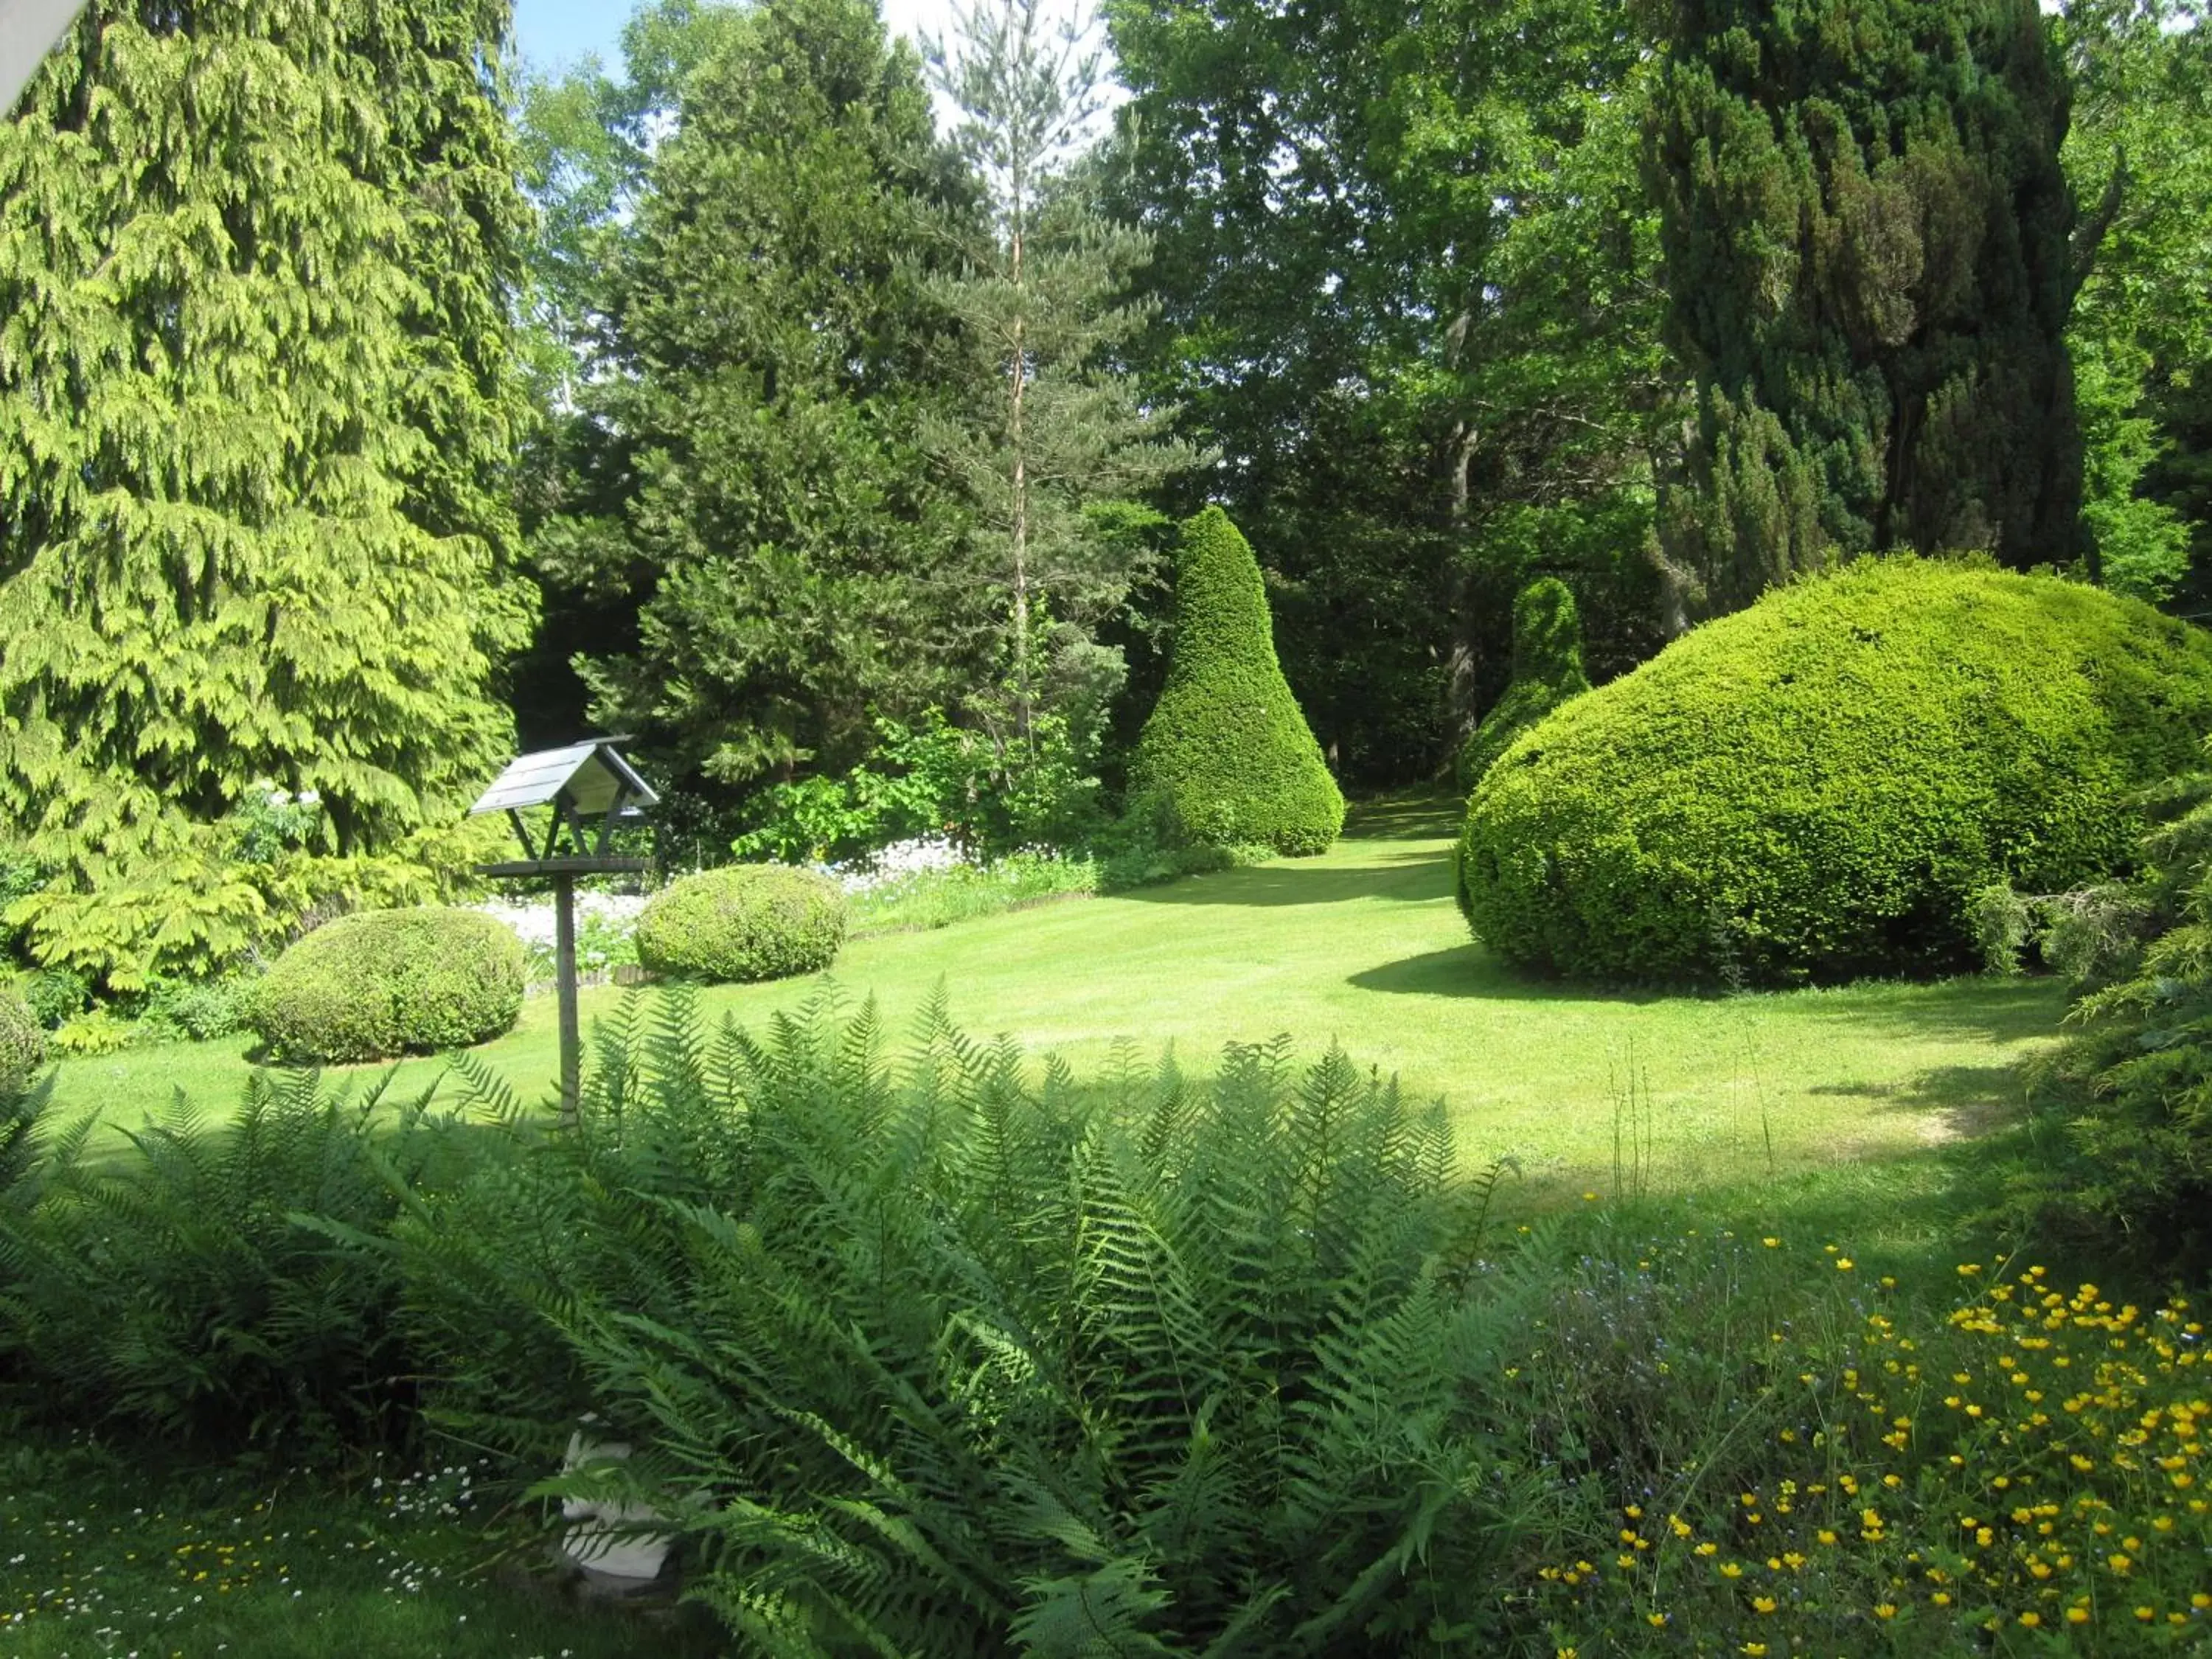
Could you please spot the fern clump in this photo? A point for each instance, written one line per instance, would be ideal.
(949, 1357)
(217, 1282)
(745, 921)
(382, 983)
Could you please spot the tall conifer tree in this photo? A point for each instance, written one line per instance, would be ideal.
(255, 417)
(1869, 251)
(762, 504)
(1057, 438)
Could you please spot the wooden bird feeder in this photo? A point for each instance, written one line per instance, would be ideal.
(593, 791)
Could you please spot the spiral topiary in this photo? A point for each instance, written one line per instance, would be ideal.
(1547, 670)
(1814, 788)
(23, 1042)
(745, 921)
(381, 983)
(1227, 757)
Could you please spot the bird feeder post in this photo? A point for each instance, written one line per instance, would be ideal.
(583, 780)
(564, 987)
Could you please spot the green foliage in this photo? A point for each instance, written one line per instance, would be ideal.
(931, 778)
(256, 402)
(939, 1359)
(1869, 262)
(381, 983)
(1226, 756)
(53, 994)
(198, 1011)
(2132, 1087)
(747, 922)
(743, 528)
(1408, 286)
(23, 1043)
(938, 898)
(2141, 333)
(1547, 670)
(1818, 787)
(217, 1283)
(1055, 437)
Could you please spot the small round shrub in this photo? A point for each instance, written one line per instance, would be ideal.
(1814, 788)
(381, 983)
(1227, 757)
(745, 921)
(1547, 670)
(23, 1042)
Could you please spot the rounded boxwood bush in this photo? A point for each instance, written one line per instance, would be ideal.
(23, 1042)
(381, 983)
(1813, 789)
(745, 921)
(1547, 670)
(1227, 757)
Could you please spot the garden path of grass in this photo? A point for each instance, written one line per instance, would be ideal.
(1364, 945)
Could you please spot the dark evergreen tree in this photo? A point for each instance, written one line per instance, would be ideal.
(1547, 670)
(1870, 252)
(755, 491)
(256, 417)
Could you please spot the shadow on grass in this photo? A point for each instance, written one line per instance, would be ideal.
(1413, 876)
(1994, 1009)
(1998, 1010)
(1426, 816)
(1469, 970)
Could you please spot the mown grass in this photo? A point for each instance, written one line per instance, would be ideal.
(1363, 946)
(101, 1555)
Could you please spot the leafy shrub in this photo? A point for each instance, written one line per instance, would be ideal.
(2132, 1085)
(1816, 787)
(198, 1011)
(945, 1362)
(930, 779)
(1755, 1460)
(54, 994)
(23, 1043)
(219, 1282)
(746, 921)
(96, 1032)
(1226, 756)
(1547, 670)
(385, 982)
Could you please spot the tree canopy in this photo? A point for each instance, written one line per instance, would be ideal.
(257, 420)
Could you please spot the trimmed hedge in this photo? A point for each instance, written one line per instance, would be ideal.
(745, 921)
(381, 983)
(1547, 670)
(23, 1042)
(1227, 757)
(1814, 789)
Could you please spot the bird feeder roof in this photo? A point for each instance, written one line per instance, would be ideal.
(593, 777)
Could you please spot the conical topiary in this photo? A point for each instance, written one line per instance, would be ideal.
(1227, 756)
(1547, 670)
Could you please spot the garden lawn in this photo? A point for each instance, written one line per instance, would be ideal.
(102, 1556)
(1363, 946)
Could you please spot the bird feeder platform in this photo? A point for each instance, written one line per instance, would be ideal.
(592, 792)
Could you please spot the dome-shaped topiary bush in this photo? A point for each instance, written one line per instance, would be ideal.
(1814, 789)
(745, 921)
(1547, 670)
(23, 1042)
(381, 983)
(1227, 757)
